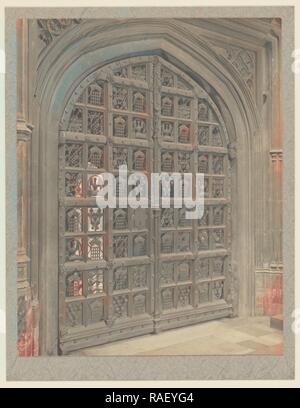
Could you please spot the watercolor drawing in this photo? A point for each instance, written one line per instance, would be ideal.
(157, 95)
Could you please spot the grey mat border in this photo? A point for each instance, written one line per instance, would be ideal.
(156, 367)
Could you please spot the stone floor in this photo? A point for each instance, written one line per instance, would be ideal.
(236, 336)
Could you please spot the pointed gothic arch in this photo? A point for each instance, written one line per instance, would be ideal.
(197, 60)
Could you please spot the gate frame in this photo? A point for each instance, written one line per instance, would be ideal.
(62, 68)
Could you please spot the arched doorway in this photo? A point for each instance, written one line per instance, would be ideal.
(128, 272)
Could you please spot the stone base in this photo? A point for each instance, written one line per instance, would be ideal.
(268, 293)
(276, 322)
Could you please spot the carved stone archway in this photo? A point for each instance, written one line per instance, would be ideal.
(228, 78)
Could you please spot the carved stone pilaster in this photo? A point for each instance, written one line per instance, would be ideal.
(24, 131)
(28, 316)
(276, 161)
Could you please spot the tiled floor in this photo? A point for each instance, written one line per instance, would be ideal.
(236, 336)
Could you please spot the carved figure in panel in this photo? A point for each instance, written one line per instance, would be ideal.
(167, 105)
(120, 307)
(202, 268)
(206, 187)
(167, 162)
(139, 127)
(95, 94)
(139, 160)
(184, 296)
(140, 218)
(120, 245)
(74, 249)
(95, 282)
(167, 189)
(203, 163)
(218, 188)
(184, 132)
(120, 157)
(203, 135)
(120, 126)
(216, 139)
(95, 311)
(120, 98)
(95, 122)
(218, 164)
(167, 78)
(184, 162)
(187, 186)
(76, 120)
(167, 217)
(120, 220)
(167, 242)
(74, 314)
(95, 157)
(120, 278)
(73, 220)
(73, 155)
(203, 110)
(139, 245)
(95, 219)
(218, 238)
(121, 72)
(139, 72)
(203, 293)
(95, 248)
(121, 189)
(73, 184)
(203, 239)
(139, 276)
(183, 271)
(139, 304)
(167, 299)
(139, 102)
(95, 183)
(183, 221)
(184, 108)
(167, 131)
(218, 215)
(167, 272)
(217, 290)
(183, 241)
(218, 266)
(205, 218)
(74, 285)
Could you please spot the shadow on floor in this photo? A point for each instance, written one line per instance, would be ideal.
(229, 336)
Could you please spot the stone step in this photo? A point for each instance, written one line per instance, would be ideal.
(276, 322)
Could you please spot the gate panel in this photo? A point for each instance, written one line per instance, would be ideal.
(191, 265)
(124, 271)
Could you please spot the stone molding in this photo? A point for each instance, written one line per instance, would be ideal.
(276, 155)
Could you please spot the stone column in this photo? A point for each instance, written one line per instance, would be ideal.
(27, 302)
(269, 284)
(276, 157)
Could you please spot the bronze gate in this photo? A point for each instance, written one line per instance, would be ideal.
(126, 272)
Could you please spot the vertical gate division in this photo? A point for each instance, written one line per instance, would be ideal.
(125, 272)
